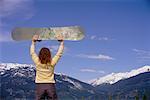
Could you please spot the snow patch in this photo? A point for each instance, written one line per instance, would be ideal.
(76, 84)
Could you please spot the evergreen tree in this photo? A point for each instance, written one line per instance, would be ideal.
(137, 97)
(82, 98)
(109, 97)
(144, 97)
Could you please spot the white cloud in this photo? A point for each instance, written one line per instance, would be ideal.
(95, 37)
(54, 48)
(101, 71)
(92, 70)
(13, 9)
(87, 70)
(104, 38)
(141, 51)
(5, 37)
(142, 55)
(99, 57)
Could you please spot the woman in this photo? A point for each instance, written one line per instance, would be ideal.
(45, 83)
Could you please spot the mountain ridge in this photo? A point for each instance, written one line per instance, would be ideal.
(18, 82)
(115, 77)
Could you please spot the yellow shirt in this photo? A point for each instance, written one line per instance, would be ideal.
(45, 72)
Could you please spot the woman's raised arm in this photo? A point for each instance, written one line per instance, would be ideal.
(59, 52)
(33, 54)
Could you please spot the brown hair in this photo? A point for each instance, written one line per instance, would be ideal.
(45, 55)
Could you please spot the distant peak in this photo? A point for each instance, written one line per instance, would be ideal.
(115, 77)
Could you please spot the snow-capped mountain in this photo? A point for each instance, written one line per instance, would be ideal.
(17, 80)
(115, 77)
(8, 66)
(129, 88)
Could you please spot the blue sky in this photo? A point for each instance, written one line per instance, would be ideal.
(117, 34)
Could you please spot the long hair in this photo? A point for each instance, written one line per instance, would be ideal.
(45, 55)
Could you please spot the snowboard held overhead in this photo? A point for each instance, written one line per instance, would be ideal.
(73, 33)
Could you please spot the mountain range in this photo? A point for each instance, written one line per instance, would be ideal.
(17, 81)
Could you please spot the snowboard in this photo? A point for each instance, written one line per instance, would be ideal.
(73, 33)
